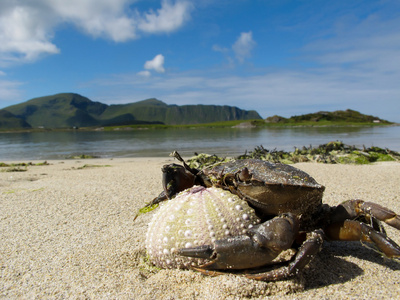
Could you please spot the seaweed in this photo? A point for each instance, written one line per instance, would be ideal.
(205, 160)
(335, 152)
(23, 164)
(19, 167)
(81, 156)
(87, 166)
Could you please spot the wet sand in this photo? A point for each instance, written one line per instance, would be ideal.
(67, 231)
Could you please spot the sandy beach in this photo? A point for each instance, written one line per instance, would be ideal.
(67, 231)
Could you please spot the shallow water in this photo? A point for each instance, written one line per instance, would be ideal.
(160, 142)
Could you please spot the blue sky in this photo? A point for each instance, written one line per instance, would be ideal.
(277, 57)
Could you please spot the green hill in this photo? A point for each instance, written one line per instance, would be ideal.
(58, 111)
(325, 117)
(153, 110)
(10, 121)
(72, 110)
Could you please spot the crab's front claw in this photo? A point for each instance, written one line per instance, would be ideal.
(240, 252)
(310, 247)
(258, 247)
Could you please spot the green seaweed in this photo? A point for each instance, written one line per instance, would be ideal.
(147, 208)
(146, 268)
(335, 152)
(23, 164)
(15, 169)
(87, 166)
(206, 160)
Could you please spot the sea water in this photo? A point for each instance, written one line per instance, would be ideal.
(160, 142)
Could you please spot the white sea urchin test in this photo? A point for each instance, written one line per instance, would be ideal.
(195, 217)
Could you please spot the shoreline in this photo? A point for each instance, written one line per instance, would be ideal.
(68, 232)
(195, 126)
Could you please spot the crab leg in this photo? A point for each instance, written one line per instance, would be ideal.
(369, 210)
(350, 230)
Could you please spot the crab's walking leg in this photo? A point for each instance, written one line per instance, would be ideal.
(305, 254)
(351, 230)
(352, 209)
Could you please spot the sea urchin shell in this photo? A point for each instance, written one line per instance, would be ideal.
(196, 216)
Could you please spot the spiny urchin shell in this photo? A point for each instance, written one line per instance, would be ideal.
(195, 217)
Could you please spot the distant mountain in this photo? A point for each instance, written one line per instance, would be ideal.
(349, 116)
(57, 111)
(8, 120)
(72, 110)
(153, 110)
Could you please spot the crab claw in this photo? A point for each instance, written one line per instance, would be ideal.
(257, 248)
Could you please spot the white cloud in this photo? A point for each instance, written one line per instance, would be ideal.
(156, 64)
(24, 31)
(144, 73)
(243, 46)
(218, 48)
(9, 92)
(99, 18)
(27, 27)
(372, 46)
(168, 18)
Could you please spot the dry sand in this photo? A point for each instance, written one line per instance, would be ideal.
(68, 232)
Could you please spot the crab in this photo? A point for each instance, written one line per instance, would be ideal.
(289, 203)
